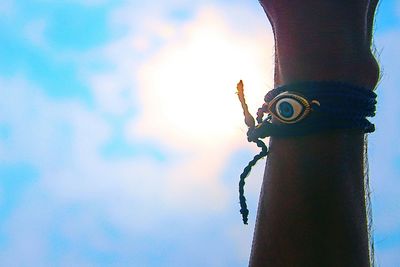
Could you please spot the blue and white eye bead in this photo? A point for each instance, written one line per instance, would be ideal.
(289, 107)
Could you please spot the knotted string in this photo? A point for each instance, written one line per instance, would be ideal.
(249, 120)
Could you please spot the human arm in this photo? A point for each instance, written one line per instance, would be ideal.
(312, 204)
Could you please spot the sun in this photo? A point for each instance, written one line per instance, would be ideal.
(187, 89)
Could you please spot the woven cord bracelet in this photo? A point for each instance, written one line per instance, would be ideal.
(305, 108)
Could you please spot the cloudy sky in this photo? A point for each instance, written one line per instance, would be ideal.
(121, 138)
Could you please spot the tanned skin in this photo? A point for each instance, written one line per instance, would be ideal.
(312, 209)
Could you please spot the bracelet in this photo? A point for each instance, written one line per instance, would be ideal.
(305, 108)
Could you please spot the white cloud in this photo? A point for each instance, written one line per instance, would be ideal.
(185, 89)
(188, 86)
(34, 32)
(7, 8)
(185, 92)
(47, 133)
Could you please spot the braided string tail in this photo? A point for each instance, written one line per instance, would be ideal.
(249, 120)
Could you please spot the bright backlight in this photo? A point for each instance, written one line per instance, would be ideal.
(188, 87)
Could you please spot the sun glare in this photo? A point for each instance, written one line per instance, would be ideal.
(188, 88)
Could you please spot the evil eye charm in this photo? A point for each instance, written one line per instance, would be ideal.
(289, 107)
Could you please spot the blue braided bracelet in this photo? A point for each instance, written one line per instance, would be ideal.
(305, 108)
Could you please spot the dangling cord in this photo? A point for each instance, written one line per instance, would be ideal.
(249, 120)
(243, 206)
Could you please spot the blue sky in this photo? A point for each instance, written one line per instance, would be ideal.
(121, 138)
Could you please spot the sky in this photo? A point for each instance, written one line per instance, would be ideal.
(122, 139)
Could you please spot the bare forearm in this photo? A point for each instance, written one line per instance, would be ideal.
(312, 204)
(312, 211)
